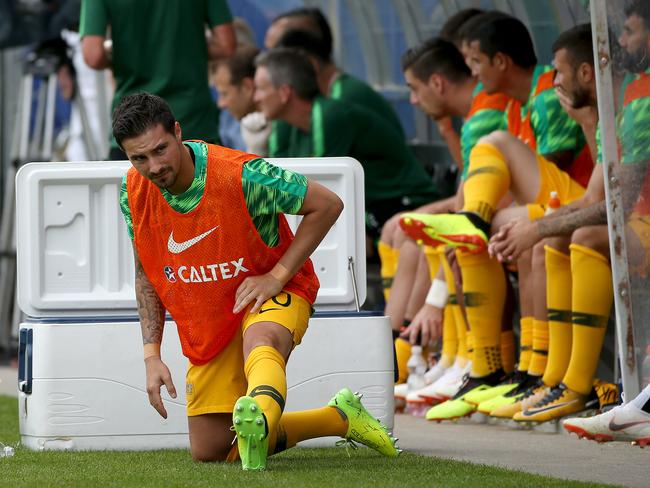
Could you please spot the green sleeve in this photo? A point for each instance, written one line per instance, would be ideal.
(599, 146)
(126, 210)
(271, 190)
(554, 130)
(634, 131)
(93, 19)
(218, 12)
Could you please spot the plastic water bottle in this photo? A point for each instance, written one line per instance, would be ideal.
(553, 203)
(417, 366)
(645, 368)
(7, 451)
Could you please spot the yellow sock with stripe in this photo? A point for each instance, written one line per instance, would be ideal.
(488, 180)
(462, 355)
(539, 358)
(403, 353)
(591, 300)
(525, 342)
(484, 292)
(388, 257)
(295, 427)
(449, 336)
(558, 300)
(508, 351)
(267, 382)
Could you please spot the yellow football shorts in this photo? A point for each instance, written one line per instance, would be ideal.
(214, 387)
(553, 178)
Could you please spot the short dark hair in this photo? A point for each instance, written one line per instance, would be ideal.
(241, 64)
(578, 43)
(466, 30)
(436, 56)
(290, 67)
(307, 41)
(451, 29)
(507, 35)
(139, 112)
(318, 20)
(640, 8)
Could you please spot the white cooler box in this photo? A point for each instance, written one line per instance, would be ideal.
(81, 373)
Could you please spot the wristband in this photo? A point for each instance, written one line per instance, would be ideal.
(280, 273)
(438, 294)
(151, 350)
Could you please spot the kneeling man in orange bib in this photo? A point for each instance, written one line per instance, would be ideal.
(212, 247)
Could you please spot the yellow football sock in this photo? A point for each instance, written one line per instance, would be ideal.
(295, 427)
(591, 300)
(488, 180)
(403, 353)
(525, 342)
(459, 321)
(539, 357)
(449, 335)
(558, 300)
(484, 291)
(388, 257)
(449, 338)
(508, 351)
(267, 382)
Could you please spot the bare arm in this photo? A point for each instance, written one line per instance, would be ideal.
(150, 308)
(222, 41)
(320, 209)
(565, 225)
(152, 321)
(94, 53)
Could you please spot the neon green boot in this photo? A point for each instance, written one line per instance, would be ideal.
(451, 229)
(362, 426)
(252, 438)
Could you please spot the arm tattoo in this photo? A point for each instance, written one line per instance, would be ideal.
(150, 308)
(572, 220)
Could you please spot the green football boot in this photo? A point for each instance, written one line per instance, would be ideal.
(362, 426)
(455, 230)
(252, 437)
(450, 410)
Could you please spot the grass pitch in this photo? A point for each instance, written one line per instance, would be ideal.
(295, 468)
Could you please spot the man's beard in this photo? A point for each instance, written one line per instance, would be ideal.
(637, 61)
(580, 98)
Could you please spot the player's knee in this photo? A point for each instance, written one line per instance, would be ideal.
(209, 454)
(388, 229)
(498, 139)
(593, 237)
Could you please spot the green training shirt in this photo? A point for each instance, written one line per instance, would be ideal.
(554, 130)
(268, 191)
(159, 47)
(340, 129)
(347, 89)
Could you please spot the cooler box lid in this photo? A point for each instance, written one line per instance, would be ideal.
(75, 257)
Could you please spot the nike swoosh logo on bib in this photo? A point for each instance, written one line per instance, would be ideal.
(616, 427)
(178, 247)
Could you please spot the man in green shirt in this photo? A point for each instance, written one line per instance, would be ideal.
(150, 53)
(315, 37)
(287, 89)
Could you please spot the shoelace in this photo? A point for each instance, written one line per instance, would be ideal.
(348, 443)
(553, 395)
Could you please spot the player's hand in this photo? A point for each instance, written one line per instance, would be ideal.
(427, 323)
(584, 116)
(158, 375)
(513, 238)
(258, 289)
